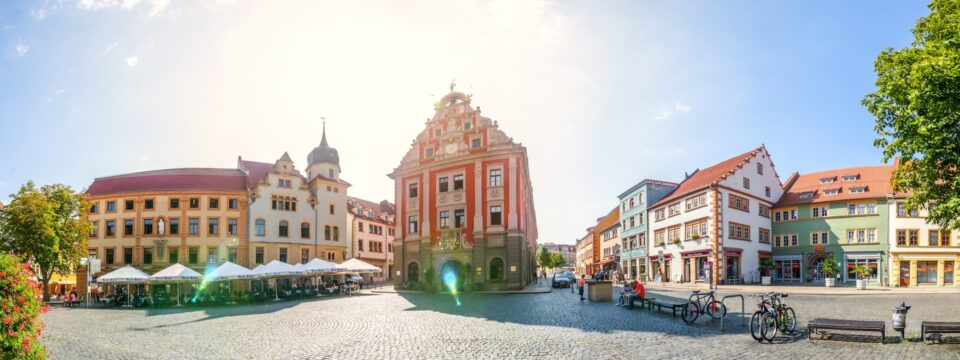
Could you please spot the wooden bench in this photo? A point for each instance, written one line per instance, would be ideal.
(938, 327)
(850, 325)
(674, 307)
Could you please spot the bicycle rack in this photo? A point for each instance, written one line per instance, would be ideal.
(743, 314)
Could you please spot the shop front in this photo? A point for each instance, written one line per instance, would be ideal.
(924, 269)
(660, 267)
(732, 264)
(786, 268)
(696, 264)
(871, 260)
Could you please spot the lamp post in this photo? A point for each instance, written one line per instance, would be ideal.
(900, 318)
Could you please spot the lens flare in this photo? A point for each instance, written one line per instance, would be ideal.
(450, 279)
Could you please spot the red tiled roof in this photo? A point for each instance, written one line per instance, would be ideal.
(709, 176)
(255, 171)
(876, 179)
(382, 208)
(210, 179)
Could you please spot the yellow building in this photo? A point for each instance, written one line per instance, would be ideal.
(921, 254)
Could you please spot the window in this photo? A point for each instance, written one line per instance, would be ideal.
(444, 219)
(174, 226)
(412, 224)
(232, 254)
(695, 229)
(785, 240)
(332, 208)
(777, 217)
(746, 182)
(673, 232)
(632, 204)
(914, 237)
(331, 175)
(128, 256)
(467, 125)
(148, 204)
(359, 226)
(764, 235)
(739, 231)
(871, 263)
(674, 209)
(128, 205)
(457, 182)
(495, 179)
(444, 184)
(231, 226)
(304, 231)
(173, 254)
(194, 226)
(94, 208)
(938, 238)
(110, 255)
(412, 190)
(92, 253)
(694, 202)
(283, 229)
(111, 206)
(148, 226)
(326, 232)
(428, 153)
(902, 211)
(819, 211)
(793, 214)
(233, 204)
(304, 256)
(766, 191)
(194, 203)
(476, 142)
(858, 189)
(260, 227)
(764, 211)
(496, 213)
(147, 255)
(496, 269)
(760, 168)
(901, 238)
(360, 244)
(851, 177)
(829, 192)
(93, 228)
(739, 203)
(459, 218)
(807, 194)
(193, 255)
(336, 233)
(111, 228)
(286, 183)
(861, 208)
(828, 180)
(861, 236)
(213, 226)
(659, 214)
(128, 227)
(413, 272)
(258, 256)
(659, 236)
(174, 203)
(819, 238)
(633, 223)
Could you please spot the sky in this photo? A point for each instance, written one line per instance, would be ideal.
(602, 94)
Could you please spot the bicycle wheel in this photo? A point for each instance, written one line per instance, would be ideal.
(690, 312)
(716, 310)
(788, 320)
(755, 326)
(768, 327)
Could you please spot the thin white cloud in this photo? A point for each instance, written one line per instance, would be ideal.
(677, 108)
(157, 7)
(681, 108)
(663, 115)
(54, 94)
(154, 7)
(132, 61)
(129, 4)
(20, 49)
(38, 14)
(110, 47)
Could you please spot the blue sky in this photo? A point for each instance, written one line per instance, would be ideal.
(602, 94)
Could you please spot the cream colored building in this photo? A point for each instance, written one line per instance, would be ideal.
(371, 235)
(921, 253)
(295, 218)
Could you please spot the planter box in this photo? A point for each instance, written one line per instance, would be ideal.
(830, 282)
(861, 284)
(765, 280)
(599, 290)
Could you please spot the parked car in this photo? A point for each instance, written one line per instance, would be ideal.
(562, 280)
(354, 278)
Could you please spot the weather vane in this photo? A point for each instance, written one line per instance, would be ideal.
(453, 83)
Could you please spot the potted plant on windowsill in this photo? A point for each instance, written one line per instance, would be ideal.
(676, 241)
(765, 266)
(829, 268)
(695, 237)
(862, 272)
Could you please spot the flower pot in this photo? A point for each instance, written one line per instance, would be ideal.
(861, 284)
(765, 280)
(830, 282)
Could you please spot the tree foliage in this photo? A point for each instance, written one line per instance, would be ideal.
(917, 111)
(48, 226)
(20, 309)
(544, 259)
(558, 260)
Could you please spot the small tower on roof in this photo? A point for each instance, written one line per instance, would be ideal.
(323, 160)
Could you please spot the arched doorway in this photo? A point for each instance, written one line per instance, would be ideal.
(451, 274)
(814, 263)
(413, 272)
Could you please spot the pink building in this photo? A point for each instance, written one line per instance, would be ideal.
(371, 232)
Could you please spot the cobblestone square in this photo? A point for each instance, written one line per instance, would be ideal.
(405, 326)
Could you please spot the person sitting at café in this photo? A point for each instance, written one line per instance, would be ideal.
(639, 292)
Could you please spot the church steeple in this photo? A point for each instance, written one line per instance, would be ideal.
(323, 140)
(324, 153)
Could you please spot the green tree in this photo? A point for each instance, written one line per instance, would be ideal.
(544, 259)
(48, 226)
(557, 260)
(917, 111)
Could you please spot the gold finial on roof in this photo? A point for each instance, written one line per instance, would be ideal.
(453, 83)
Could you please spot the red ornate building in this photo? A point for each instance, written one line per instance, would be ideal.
(464, 203)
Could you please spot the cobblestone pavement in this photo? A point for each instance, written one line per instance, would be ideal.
(405, 326)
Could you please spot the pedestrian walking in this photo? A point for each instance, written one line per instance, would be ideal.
(580, 286)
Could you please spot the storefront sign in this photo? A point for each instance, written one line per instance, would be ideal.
(818, 248)
(695, 254)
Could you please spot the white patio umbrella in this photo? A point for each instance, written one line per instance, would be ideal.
(317, 268)
(176, 273)
(125, 275)
(277, 269)
(359, 266)
(230, 271)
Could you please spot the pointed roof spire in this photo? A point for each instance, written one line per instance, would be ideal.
(323, 140)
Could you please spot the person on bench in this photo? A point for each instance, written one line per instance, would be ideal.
(638, 292)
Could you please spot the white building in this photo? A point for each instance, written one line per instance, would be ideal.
(715, 226)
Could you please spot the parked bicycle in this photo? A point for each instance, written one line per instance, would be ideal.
(700, 303)
(763, 306)
(780, 318)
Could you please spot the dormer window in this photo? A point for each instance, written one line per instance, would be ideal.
(829, 192)
(284, 183)
(851, 177)
(858, 189)
(807, 194)
(827, 180)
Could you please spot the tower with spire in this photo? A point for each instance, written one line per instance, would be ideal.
(323, 161)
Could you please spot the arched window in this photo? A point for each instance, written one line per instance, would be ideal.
(261, 227)
(496, 269)
(284, 229)
(305, 230)
(413, 272)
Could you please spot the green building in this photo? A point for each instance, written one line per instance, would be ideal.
(840, 214)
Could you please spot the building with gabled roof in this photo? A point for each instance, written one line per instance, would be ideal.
(715, 226)
(372, 228)
(634, 217)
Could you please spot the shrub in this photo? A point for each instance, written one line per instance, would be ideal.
(20, 309)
